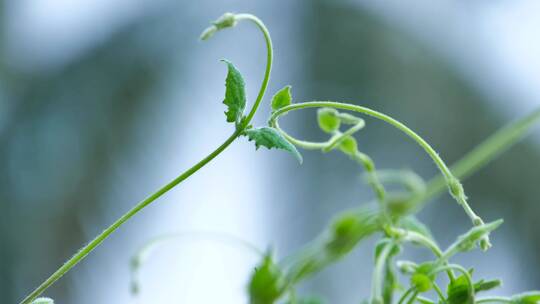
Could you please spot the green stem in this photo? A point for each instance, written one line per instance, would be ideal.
(84, 251)
(439, 292)
(269, 58)
(378, 274)
(405, 295)
(417, 238)
(452, 182)
(373, 177)
(340, 137)
(355, 108)
(425, 300)
(460, 269)
(304, 144)
(413, 297)
(332, 143)
(482, 154)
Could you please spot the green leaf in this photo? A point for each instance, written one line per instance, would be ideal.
(43, 301)
(235, 95)
(459, 291)
(343, 235)
(468, 240)
(351, 227)
(267, 283)
(328, 119)
(282, 98)
(421, 282)
(484, 285)
(399, 204)
(348, 145)
(531, 297)
(271, 138)
(413, 224)
(423, 276)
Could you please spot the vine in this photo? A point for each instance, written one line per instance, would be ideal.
(391, 217)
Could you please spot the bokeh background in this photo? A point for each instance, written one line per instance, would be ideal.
(103, 101)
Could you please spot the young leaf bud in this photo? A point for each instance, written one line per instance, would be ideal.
(267, 282)
(225, 21)
(328, 119)
(348, 145)
(422, 282)
(406, 267)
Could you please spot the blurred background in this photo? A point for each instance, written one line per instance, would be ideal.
(102, 102)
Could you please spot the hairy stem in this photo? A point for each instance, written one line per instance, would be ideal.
(84, 251)
(365, 161)
(378, 274)
(269, 58)
(417, 238)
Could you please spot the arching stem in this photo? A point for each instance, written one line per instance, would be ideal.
(85, 250)
(453, 184)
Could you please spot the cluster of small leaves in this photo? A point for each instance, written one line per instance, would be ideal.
(272, 281)
(393, 220)
(235, 100)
